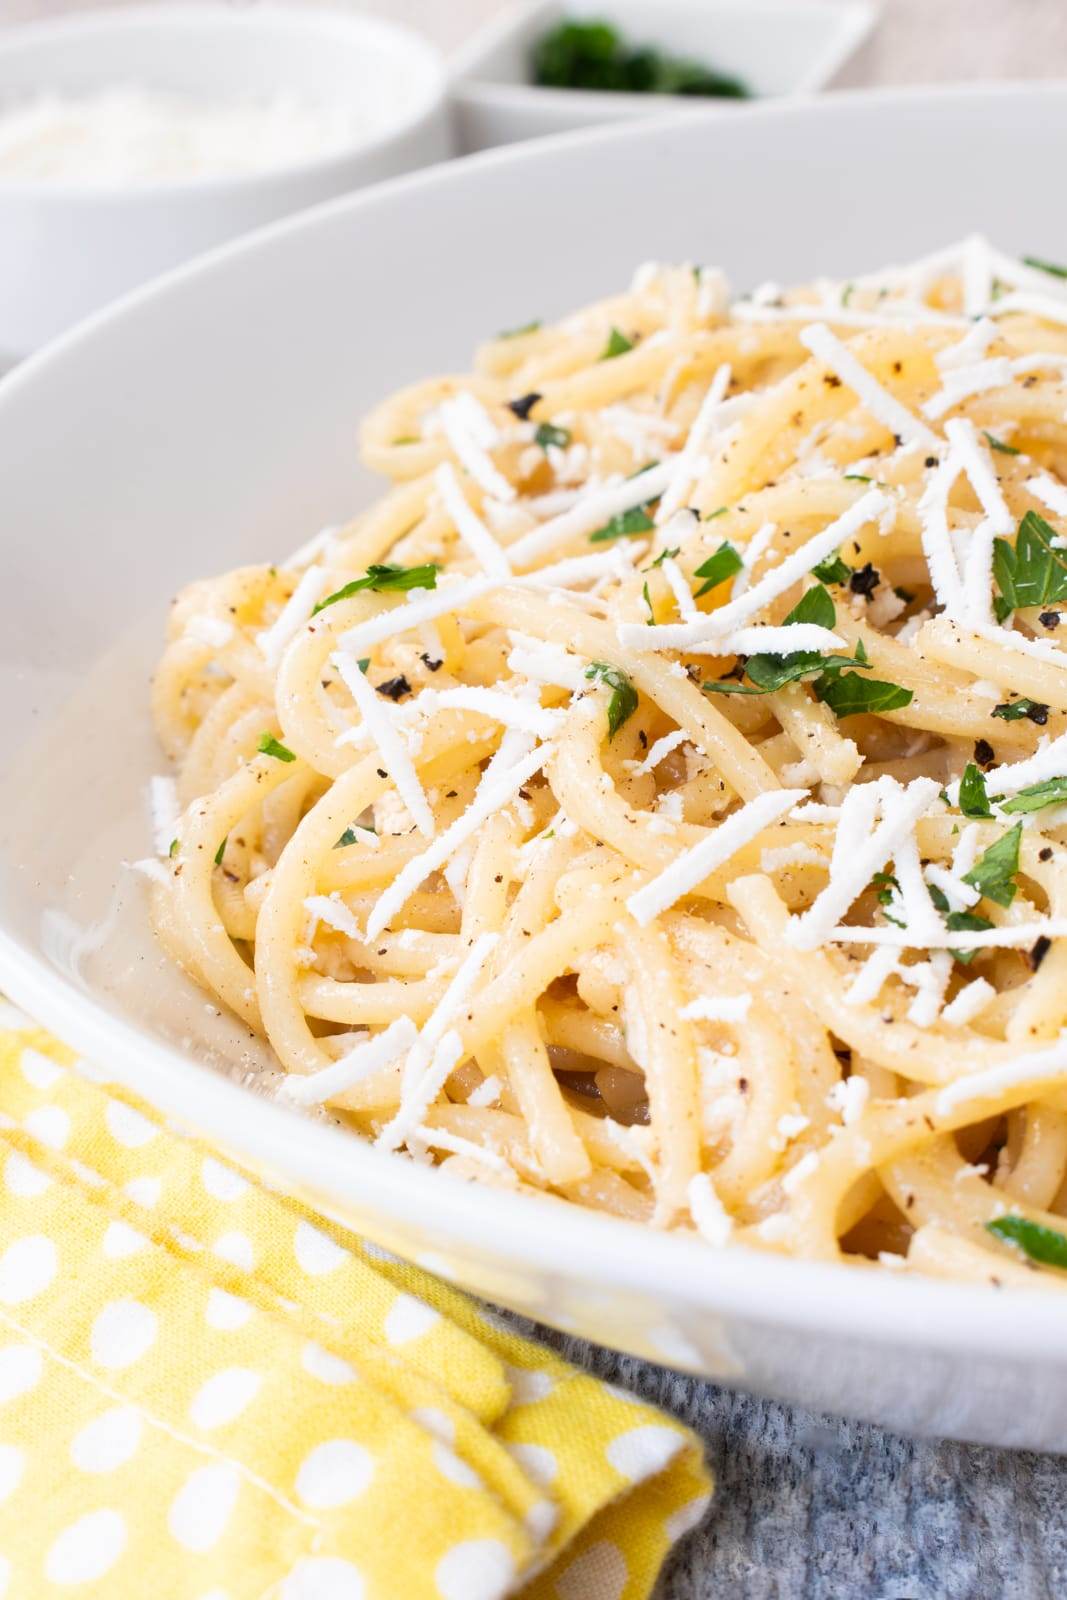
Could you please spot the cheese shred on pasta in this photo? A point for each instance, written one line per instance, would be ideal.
(670, 770)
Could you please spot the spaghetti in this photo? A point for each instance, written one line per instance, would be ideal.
(657, 799)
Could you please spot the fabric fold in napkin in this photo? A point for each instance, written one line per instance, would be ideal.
(207, 1392)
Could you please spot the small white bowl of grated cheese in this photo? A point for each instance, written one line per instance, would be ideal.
(131, 140)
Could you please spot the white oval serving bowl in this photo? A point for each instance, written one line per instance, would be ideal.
(68, 249)
(217, 445)
(778, 48)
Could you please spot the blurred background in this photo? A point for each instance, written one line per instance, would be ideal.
(916, 41)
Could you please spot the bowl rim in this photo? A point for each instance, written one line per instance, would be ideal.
(425, 66)
(882, 1309)
(845, 24)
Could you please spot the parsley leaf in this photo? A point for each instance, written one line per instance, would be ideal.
(847, 694)
(220, 852)
(993, 873)
(617, 345)
(719, 512)
(718, 567)
(974, 798)
(965, 922)
(623, 702)
(767, 672)
(1046, 1245)
(175, 846)
(547, 433)
(857, 477)
(832, 570)
(664, 555)
(1034, 572)
(1015, 710)
(1053, 268)
(351, 836)
(999, 445)
(384, 577)
(626, 525)
(648, 602)
(269, 746)
(1052, 792)
(517, 333)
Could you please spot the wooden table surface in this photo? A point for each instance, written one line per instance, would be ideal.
(812, 1508)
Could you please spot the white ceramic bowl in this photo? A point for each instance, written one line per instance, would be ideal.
(216, 445)
(776, 47)
(64, 251)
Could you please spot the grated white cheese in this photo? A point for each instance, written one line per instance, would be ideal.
(873, 396)
(513, 711)
(455, 1144)
(977, 463)
(297, 610)
(448, 596)
(703, 427)
(149, 867)
(694, 865)
(780, 641)
(1044, 306)
(679, 587)
(660, 751)
(717, 1008)
(972, 999)
(936, 542)
(875, 972)
(213, 631)
(1039, 1066)
(331, 909)
(1052, 495)
(791, 855)
(849, 1098)
(971, 348)
(1050, 761)
(860, 853)
(804, 1168)
(976, 271)
(713, 1221)
(470, 431)
(591, 511)
(470, 527)
(368, 1057)
(487, 1092)
(544, 662)
(616, 562)
(497, 787)
(961, 383)
(383, 731)
(683, 635)
(165, 811)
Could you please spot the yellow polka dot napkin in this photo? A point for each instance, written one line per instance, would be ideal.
(208, 1393)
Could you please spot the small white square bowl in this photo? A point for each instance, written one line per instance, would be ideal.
(778, 48)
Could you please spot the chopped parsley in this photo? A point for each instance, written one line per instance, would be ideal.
(547, 433)
(720, 511)
(623, 702)
(958, 922)
(664, 555)
(848, 695)
(1045, 1245)
(387, 577)
(993, 874)
(1053, 268)
(174, 846)
(999, 445)
(517, 333)
(857, 477)
(1015, 710)
(648, 603)
(1033, 572)
(580, 54)
(1052, 792)
(617, 345)
(767, 672)
(351, 836)
(832, 570)
(974, 800)
(270, 746)
(220, 852)
(627, 525)
(718, 567)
